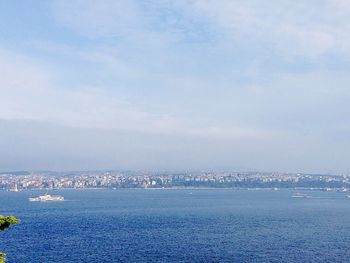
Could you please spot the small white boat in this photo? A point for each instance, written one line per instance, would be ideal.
(15, 189)
(299, 195)
(47, 198)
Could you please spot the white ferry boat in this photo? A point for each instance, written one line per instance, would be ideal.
(47, 198)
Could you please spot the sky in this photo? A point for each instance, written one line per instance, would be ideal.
(175, 85)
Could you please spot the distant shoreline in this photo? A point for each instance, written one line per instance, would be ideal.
(180, 188)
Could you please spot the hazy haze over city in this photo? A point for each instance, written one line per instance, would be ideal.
(194, 84)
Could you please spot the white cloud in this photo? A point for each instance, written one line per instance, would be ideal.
(289, 28)
(99, 19)
(267, 78)
(29, 92)
(228, 134)
(121, 20)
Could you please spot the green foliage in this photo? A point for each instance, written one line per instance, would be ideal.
(6, 222)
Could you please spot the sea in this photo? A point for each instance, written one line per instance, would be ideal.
(163, 225)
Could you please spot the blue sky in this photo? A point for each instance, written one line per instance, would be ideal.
(193, 84)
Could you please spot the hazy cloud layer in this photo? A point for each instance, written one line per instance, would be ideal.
(175, 84)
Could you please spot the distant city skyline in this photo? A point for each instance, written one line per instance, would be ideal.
(15, 182)
(175, 85)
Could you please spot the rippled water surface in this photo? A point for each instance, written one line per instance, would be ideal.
(178, 226)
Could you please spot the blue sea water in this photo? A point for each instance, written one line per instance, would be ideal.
(178, 226)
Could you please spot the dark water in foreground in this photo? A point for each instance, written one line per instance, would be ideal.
(178, 226)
